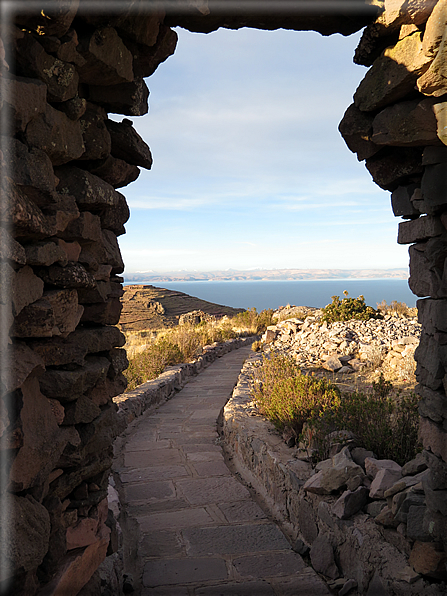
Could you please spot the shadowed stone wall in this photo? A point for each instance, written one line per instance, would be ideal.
(63, 70)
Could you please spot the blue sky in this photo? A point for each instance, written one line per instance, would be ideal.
(249, 169)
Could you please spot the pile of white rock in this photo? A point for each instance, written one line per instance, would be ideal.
(345, 347)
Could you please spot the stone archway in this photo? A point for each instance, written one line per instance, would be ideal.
(63, 69)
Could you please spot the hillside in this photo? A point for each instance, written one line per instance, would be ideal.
(147, 307)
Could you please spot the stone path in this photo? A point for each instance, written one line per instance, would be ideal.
(192, 528)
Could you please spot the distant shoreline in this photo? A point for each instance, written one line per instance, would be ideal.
(269, 275)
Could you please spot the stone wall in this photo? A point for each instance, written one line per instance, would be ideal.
(63, 69)
(398, 124)
(62, 72)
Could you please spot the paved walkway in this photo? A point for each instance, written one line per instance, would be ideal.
(195, 529)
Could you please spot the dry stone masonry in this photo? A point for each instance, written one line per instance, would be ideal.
(63, 70)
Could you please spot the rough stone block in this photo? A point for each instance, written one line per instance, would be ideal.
(92, 193)
(130, 99)
(440, 110)
(107, 58)
(57, 135)
(383, 480)
(393, 75)
(427, 560)
(350, 503)
(61, 78)
(25, 289)
(82, 411)
(68, 385)
(433, 81)
(433, 438)
(406, 124)
(32, 170)
(115, 172)
(425, 277)
(85, 227)
(437, 478)
(26, 525)
(420, 229)
(143, 27)
(432, 314)
(56, 19)
(393, 166)
(56, 313)
(434, 187)
(10, 249)
(322, 557)
(433, 405)
(44, 253)
(401, 202)
(435, 29)
(16, 368)
(95, 135)
(72, 275)
(128, 145)
(113, 219)
(148, 58)
(43, 441)
(23, 99)
(373, 466)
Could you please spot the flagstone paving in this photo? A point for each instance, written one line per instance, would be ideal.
(191, 528)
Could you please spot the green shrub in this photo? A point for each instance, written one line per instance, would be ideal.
(381, 420)
(287, 397)
(347, 309)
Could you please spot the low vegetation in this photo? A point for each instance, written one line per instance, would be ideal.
(380, 419)
(183, 343)
(347, 309)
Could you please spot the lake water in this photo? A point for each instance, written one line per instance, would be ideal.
(272, 294)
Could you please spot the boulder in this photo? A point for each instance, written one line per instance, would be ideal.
(56, 20)
(383, 480)
(85, 227)
(32, 171)
(26, 533)
(393, 75)
(20, 362)
(130, 99)
(115, 172)
(43, 441)
(10, 249)
(25, 288)
(61, 78)
(72, 275)
(434, 187)
(128, 145)
(44, 254)
(433, 81)
(406, 124)
(440, 110)
(91, 192)
(373, 466)
(107, 58)
(418, 230)
(356, 130)
(435, 29)
(148, 58)
(82, 411)
(322, 557)
(350, 503)
(335, 476)
(393, 166)
(24, 98)
(57, 135)
(69, 385)
(95, 135)
(401, 202)
(56, 313)
(427, 560)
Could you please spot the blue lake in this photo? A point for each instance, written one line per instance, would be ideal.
(272, 294)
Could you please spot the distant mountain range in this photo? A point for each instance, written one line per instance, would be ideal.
(265, 275)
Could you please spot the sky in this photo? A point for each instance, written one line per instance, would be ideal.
(249, 168)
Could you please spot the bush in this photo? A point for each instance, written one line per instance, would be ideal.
(382, 420)
(347, 309)
(287, 397)
(396, 308)
(151, 362)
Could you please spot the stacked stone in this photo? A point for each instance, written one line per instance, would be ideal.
(345, 347)
(62, 160)
(397, 123)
